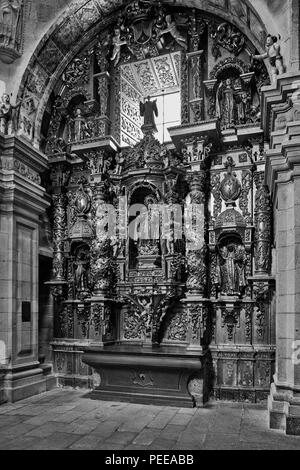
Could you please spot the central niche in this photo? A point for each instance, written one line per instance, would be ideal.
(158, 78)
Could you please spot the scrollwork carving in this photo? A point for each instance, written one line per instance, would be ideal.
(228, 37)
(78, 70)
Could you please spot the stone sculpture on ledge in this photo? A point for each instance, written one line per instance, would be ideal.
(7, 115)
(274, 55)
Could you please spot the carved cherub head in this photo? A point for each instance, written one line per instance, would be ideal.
(168, 19)
(6, 98)
(117, 32)
(270, 40)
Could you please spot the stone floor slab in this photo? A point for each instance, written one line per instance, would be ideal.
(70, 419)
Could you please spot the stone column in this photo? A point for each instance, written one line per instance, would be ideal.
(196, 262)
(22, 201)
(283, 179)
(59, 175)
(102, 265)
(262, 217)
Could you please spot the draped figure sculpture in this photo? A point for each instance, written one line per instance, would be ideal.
(9, 19)
(231, 278)
(225, 103)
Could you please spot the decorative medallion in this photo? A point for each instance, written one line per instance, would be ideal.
(230, 186)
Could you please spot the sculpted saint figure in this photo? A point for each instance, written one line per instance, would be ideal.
(81, 273)
(227, 274)
(274, 55)
(225, 103)
(231, 277)
(79, 128)
(172, 29)
(7, 114)
(148, 110)
(120, 159)
(9, 18)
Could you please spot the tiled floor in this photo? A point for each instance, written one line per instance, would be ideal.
(70, 419)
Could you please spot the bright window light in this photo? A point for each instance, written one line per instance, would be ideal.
(169, 107)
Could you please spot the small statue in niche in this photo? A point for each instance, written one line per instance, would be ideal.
(81, 275)
(274, 55)
(173, 31)
(225, 103)
(78, 127)
(116, 245)
(7, 115)
(165, 157)
(240, 264)
(118, 42)
(9, 19)
(148, 110)
(231, 277)
(242, 101)
(120, 160)
(170, 234)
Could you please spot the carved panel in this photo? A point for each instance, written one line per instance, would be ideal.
(132, 325)
(177, 329)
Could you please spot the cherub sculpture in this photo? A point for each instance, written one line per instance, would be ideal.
(173, 31)
(274, 55)
(118, 42)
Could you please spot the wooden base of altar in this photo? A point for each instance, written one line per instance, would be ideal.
(159, 375)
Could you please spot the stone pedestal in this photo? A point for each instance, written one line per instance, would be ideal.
(22, 200)
(283, 179)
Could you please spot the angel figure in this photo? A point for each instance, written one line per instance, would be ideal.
(274, 55)
(148, 110)
(173, 31)
(117, 43)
